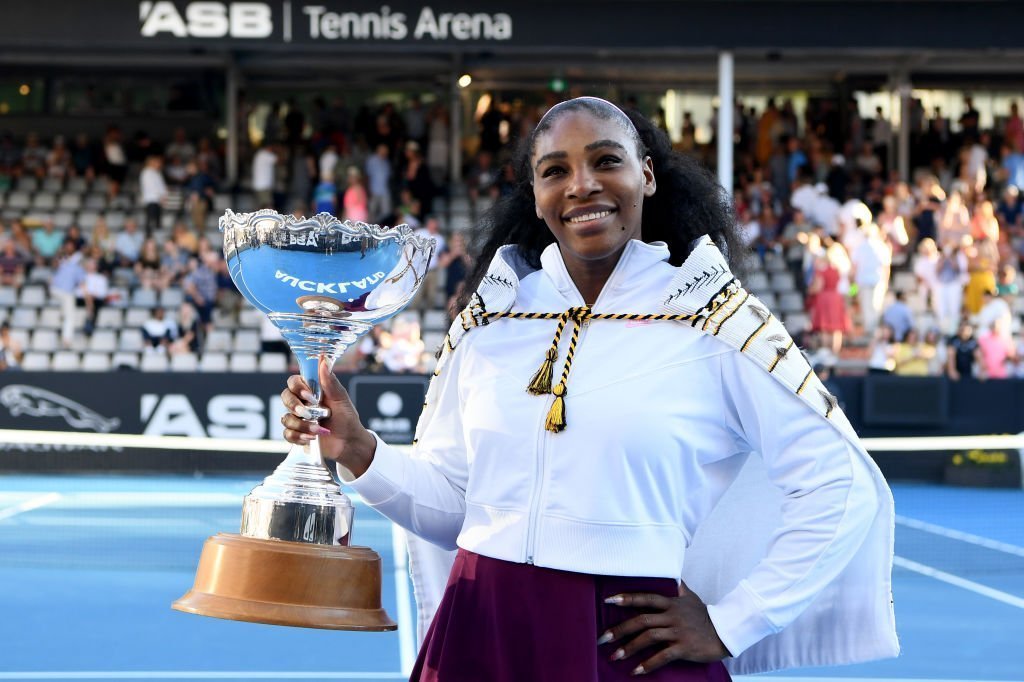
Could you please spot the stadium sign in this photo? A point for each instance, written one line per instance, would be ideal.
(315, 22)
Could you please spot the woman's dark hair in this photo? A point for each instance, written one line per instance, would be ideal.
(688, 202)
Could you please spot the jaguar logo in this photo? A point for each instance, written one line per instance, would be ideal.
(20, 399)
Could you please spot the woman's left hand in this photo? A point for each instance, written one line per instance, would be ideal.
(681, 624)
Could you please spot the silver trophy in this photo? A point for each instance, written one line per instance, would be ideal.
(324, 283)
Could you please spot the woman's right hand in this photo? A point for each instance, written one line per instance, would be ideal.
(343, 439)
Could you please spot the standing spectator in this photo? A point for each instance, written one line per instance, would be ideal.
(329, 163)
(128, 243)
(926, 270)
(355, 201)
(64, 287)
(1014, 131)
(456, 263)
(899, 317)
(951, 276)
(963, 354)
(199, 191)
(982, 261)
(10, 350)
(378, 177)
(94, 291)
(871, 263)
(115, 160)
(984, 224)
(200, 287)
(158, 332)
(954, 219)
(325, 197)
(415, 120)
(438, 147)
(153, 189)
(416, 178)
(264, 163)
(427, 297)
(1013, 163)
(997, 350)
(828, 310)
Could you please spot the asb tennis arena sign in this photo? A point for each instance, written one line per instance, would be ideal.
(221, 406)
(315, 22)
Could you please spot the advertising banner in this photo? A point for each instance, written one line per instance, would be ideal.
(216, 406)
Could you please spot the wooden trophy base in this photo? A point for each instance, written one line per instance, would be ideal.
(288, 583)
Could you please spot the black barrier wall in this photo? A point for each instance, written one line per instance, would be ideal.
(248, 406)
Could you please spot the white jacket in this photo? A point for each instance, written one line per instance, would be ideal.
(651, 477)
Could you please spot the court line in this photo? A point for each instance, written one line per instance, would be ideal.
(200, 675)
(406, 623)
(957, 581)
(29, 505)
(294, 675)
(960, 535)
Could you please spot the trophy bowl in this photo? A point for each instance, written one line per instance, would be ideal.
(323, 283)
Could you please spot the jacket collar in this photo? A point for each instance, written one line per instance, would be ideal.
(637, 259)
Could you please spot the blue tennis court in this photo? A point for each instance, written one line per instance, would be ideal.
(89, 566)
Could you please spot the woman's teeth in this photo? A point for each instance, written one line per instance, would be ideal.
(589, 216)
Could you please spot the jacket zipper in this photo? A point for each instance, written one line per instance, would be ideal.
(541, 468)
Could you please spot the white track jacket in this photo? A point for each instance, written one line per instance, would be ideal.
(653, 475)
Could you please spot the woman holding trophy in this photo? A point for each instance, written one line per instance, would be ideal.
(638, 473)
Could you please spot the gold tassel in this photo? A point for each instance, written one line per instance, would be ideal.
(556, 415)
(541, 382)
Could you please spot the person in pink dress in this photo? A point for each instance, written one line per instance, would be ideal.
(356, 202)
(828, 307)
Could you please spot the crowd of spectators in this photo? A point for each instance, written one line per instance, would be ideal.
(916, 278)
(913, 277)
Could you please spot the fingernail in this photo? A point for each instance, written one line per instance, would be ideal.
(323, 431)
(619, 653)
(306, 395)
(617, 599)
(307, 436)
(302, 412)
(605, 638)
(639, 670)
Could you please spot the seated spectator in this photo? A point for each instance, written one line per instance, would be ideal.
(880, 351)
(937, 363)
(149, 267)
(401, 348)
(963, 354)
(998, 352)
(21, 238)
(94, 292)
(58, 161)
(47, 242)
(994, 310)
(174, 264)
(899, 317)
(74, 236)
(33, 157)
(128, 243)
(102, 246)
(912, 357)
(180, 146)
(483, 176)
(12, 265)
(186, 240)
(11, 351)
(189, 332)
(158, 332)
(1007, 284)
(200, 286)
(83, 157)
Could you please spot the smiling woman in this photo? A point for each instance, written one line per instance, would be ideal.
(571, 534)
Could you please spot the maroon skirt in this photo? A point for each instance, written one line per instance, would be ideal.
(506, 622)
